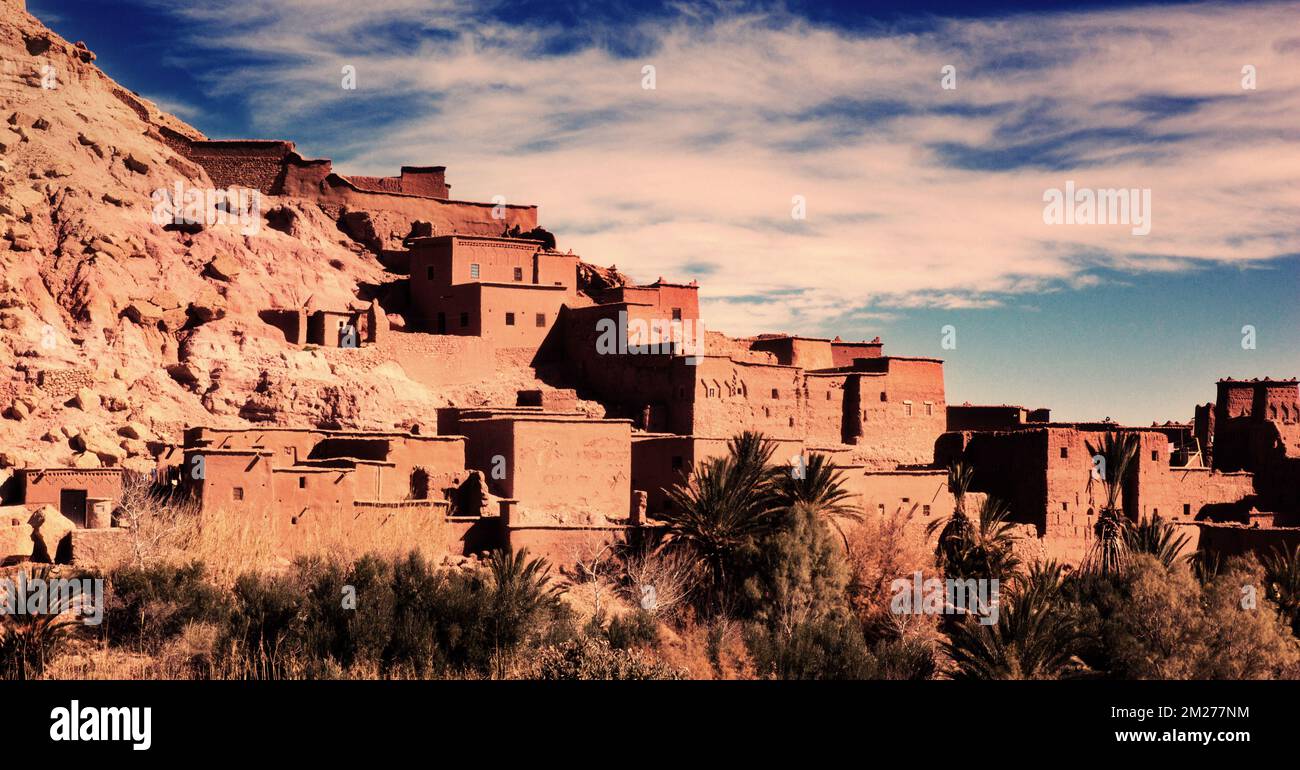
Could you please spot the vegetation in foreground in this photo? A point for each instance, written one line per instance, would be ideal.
(762, 571)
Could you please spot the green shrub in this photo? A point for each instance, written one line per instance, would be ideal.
(263, 636)
(151, 605)
(826, 648)
(349, 610)
(634, 629)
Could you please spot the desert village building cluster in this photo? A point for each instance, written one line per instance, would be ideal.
(544, 474)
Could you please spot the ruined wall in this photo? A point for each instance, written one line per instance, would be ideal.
(254, 164)
(428, 181)
(803, 352)
(335, 194)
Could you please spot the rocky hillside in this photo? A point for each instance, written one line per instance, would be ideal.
(115, 331)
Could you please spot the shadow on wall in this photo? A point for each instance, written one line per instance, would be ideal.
(285, 320)
(1224, 513)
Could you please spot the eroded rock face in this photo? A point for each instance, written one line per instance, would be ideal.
(113, 318)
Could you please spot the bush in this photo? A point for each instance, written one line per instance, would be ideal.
(151, 605)
(348, 611)
(262, 638)
(905, 659)
(826, 648)
(633, 629)
(589, 657)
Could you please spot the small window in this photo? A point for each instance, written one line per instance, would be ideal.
(519, 274)
(473, 270)
(1187, 509)
(510, 319)
(464, 320)
(883, 397)
(1155, 455)
(302, 482)
(925, 509)
(907, 408)
(828, 395)
(428, 273)
(776, 393)
(541, 319)
(677, 314)
(929, 408)
(791, 422)
(1065, 506)
(1065, 451)
(237, 493)
(880, 507)
(677, 462)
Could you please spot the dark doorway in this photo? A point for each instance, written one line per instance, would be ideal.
(72, 504)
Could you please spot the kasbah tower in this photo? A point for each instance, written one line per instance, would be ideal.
(364, 350)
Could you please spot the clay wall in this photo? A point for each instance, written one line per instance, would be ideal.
(661, 460)
(46, 486)
(804, 352)
(254, 164)
(518, 315)
(631, 385)
(670, 301)
(986, 417)
(845, 353)
(732, 396)
(825, 407)
(903, 410)
(562, 470)
(1224, 541)
(428, 181)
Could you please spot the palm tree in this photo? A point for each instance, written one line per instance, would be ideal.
(1118, 452)
(1157, 537)
(1282, 583)
(28, 641)
(818, 487)
(724, 504)
(956, 529)
(1033, 637)
(983, 551)
(521, 592)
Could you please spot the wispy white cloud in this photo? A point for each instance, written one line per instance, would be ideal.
(916, 196)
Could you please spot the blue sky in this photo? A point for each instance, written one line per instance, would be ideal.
(924, 205)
